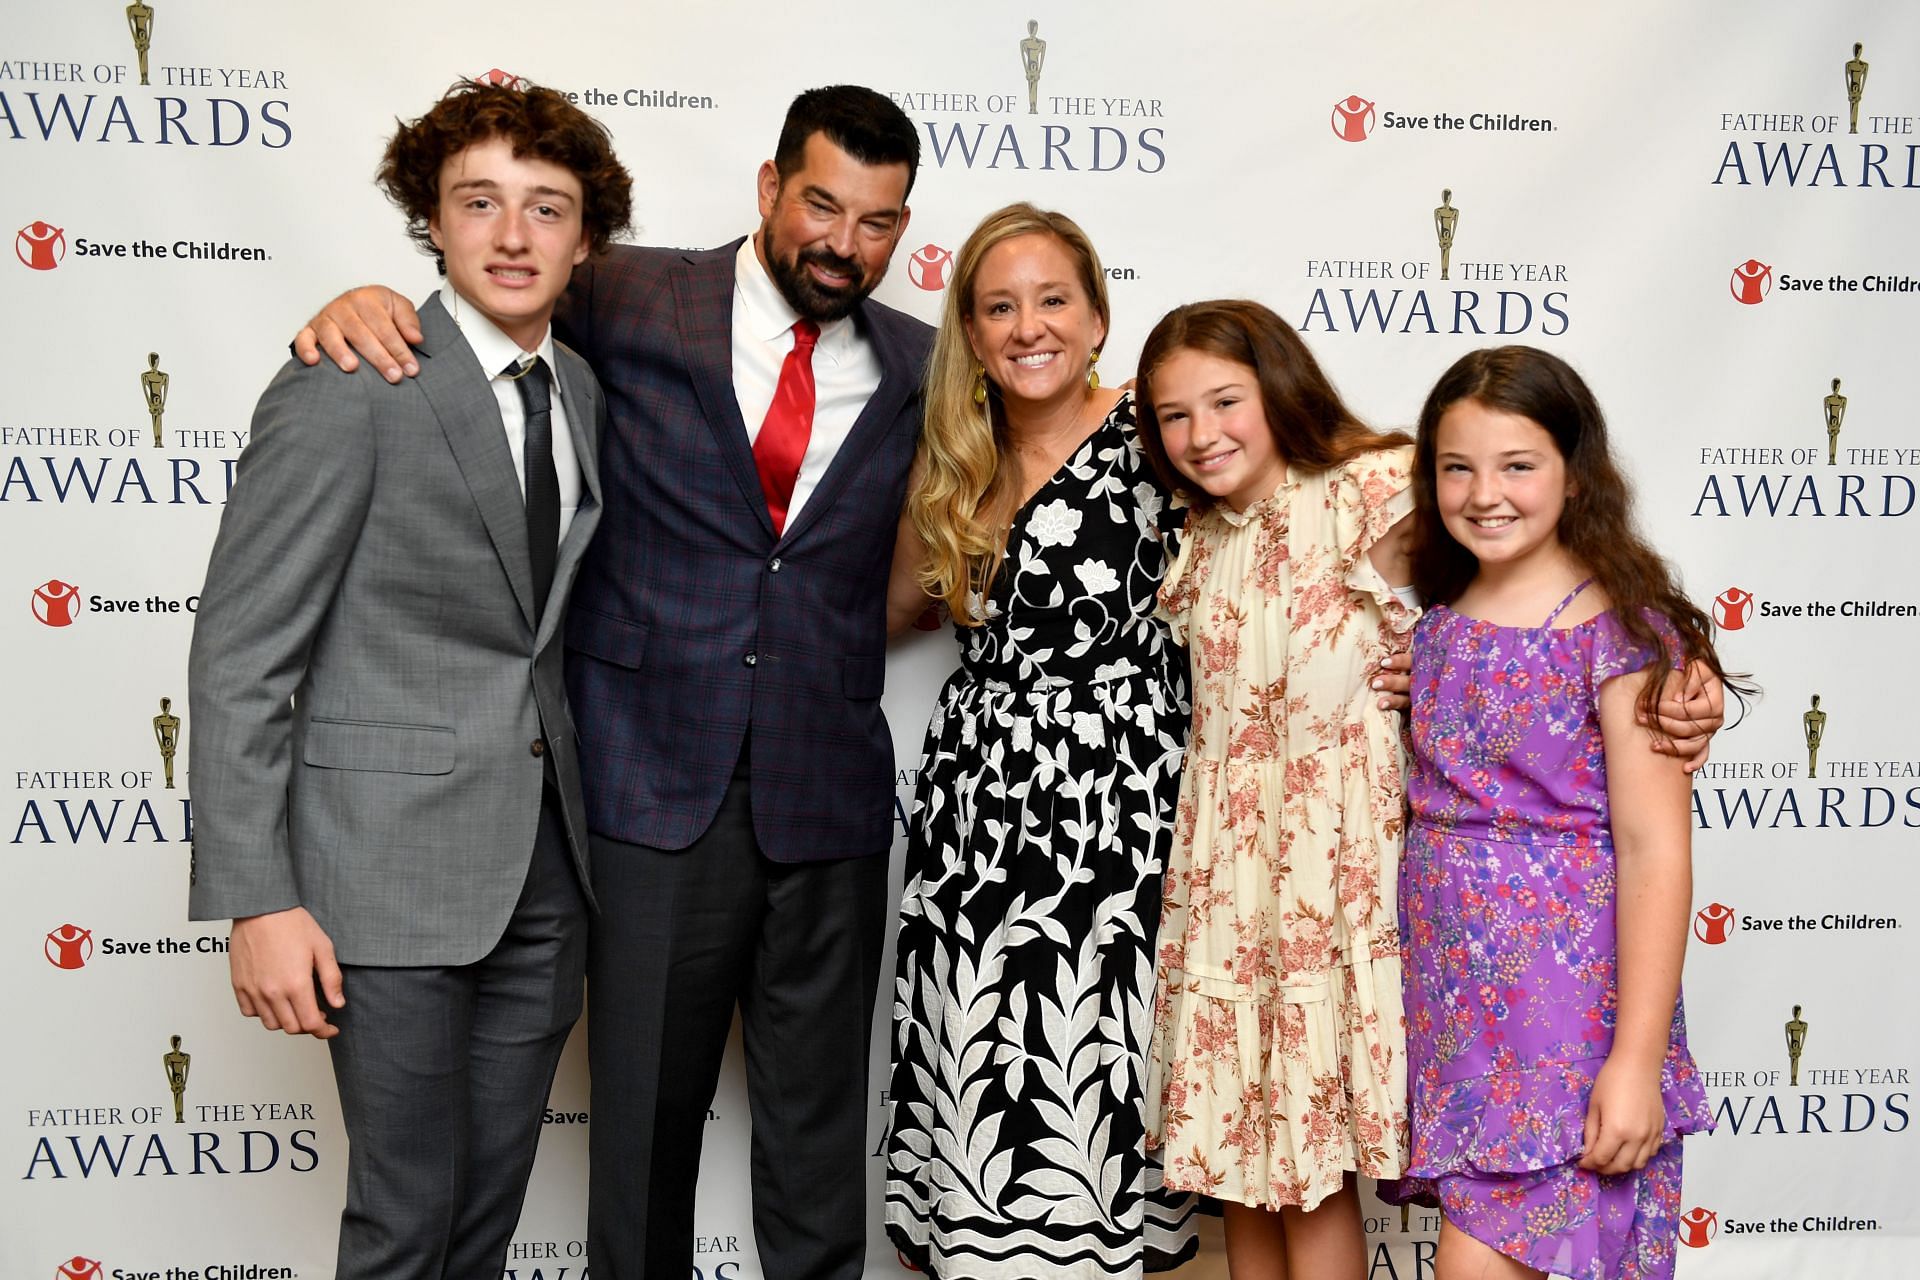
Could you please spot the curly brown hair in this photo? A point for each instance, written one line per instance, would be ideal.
(1596, 525)
(1312, 427)
(537, 122)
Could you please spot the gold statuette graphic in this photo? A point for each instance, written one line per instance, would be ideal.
(153, 385)
(166, 732)
(1033, 55)
(1836, 406)
(1445, 219)
(140, 24)
(1815, 724)
(177, 1064)
(1856, 88)
(1796, 1041)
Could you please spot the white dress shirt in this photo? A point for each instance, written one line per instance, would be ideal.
(496, 351)
(846, 369)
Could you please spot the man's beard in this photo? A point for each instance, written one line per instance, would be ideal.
(807, 295)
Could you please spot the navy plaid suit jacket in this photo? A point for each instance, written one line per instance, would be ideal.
(693, 631)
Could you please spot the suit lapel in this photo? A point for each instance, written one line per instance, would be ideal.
(900, 377)
(703, 287)
(461, 395)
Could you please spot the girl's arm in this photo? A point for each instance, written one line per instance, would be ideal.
(1392, 554)
(1648, 796)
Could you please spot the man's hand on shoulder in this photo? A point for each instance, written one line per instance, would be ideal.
(276, 960)
(372, 320)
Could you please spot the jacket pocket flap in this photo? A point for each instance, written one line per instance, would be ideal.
(863, 677)
(603, 636)
(381, 748)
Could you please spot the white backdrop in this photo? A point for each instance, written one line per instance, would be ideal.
(1623, 174)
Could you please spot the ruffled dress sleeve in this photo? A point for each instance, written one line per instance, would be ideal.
(1372, 493)
(1615, 653)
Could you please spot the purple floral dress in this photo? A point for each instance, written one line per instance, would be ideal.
(1507, 914)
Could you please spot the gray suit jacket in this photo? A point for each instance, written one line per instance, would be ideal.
(370, 703)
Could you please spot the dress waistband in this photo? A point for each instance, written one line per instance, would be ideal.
(1046, 684)
(1522, 838)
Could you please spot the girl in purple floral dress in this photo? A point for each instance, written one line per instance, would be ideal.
(1546, 883)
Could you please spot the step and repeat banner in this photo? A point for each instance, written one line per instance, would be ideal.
(1707, 208)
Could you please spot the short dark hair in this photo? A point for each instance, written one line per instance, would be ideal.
(866, 125)
(537, 122)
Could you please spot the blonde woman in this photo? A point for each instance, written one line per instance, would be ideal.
(1045, 804)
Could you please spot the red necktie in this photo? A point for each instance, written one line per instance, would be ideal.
(782, 441)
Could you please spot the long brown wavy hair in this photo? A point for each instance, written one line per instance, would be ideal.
(965, 494)
(1312, 427)
(1596, 524)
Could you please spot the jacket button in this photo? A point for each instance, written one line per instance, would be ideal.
(750, 660)
(538, 746)
(773, 565)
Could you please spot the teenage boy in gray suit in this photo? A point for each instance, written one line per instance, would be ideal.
(387, 787)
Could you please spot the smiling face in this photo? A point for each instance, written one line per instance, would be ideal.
(828, 229)
(510, 230)
(1214, 427)
(1500, 484)
(1031, 321)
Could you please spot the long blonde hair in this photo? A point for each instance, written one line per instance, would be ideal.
(965, 495)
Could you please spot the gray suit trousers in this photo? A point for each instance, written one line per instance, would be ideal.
(443, 1074)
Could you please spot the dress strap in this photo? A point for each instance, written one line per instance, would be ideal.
(1562, 606)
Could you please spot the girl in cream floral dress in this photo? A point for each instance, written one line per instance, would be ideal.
(1277, 1070)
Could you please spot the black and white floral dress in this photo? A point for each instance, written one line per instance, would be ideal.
(1040, 832)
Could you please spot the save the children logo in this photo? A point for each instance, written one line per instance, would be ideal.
(1732, 608)
(1714, 922)
(69, 947)
(1751, 282)
(54, 602)
(40, 245)
(1353, 118)
(928, 267)
(78, 1268)
(1698, 1227)
(501, 79)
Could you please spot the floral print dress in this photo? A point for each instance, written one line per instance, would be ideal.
(1278, 1056)
(1039, 835)
(1507, 903)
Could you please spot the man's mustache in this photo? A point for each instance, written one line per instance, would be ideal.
(832, 262)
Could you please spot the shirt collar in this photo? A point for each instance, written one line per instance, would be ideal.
(767, 313)
(492, 348)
